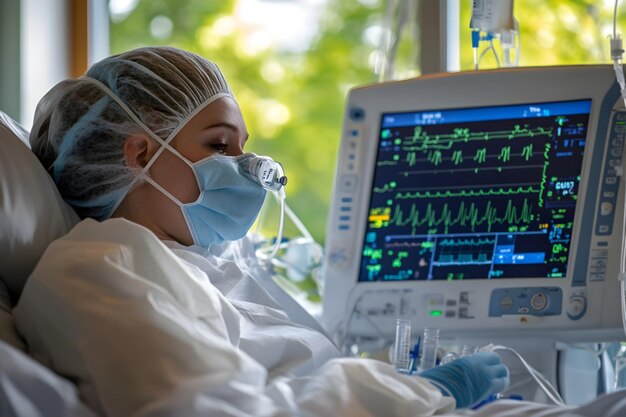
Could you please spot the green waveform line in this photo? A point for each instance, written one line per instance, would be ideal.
(411, 159)
(457, 157)
(422, 141)
(385, 188)
(505, 154)
(527, 152)
(436, 157)
(481, 155)
(462, 193)
(466, 242)
(544, 175)
(466, 216)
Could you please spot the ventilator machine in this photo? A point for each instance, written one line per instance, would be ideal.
(486, 204)
(484, 210)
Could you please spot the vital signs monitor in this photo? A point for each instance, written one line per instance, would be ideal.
(479, 203)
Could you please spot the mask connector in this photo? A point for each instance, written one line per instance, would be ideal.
(267, 172)
(271, 176)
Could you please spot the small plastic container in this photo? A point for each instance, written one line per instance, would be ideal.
(448, 357)
(468, 350)
(402, 347)
(430, 345)
(620, 369)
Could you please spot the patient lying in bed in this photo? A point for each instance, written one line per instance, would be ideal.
(137, 342)
(155, 303)
(143, 331)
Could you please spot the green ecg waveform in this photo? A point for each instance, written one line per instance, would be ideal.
(422, 141)
(468, 216)
(437, 157)
(466, 242)
(462, 193)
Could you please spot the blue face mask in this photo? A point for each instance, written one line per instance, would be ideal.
(230, 199)
(232, 189)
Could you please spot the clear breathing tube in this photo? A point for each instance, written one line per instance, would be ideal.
(271, 176)
(281, 223)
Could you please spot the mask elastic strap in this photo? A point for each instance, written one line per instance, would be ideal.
(164, 144)
(163, 190)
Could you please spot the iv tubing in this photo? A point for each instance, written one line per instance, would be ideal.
(615, 19)
(543, 383)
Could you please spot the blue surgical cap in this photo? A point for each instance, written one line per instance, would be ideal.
(81, 125)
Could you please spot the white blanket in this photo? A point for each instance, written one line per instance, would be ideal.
(27, 389)
(144, 332)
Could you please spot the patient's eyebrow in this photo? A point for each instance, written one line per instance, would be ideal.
(227, 125)
(223, 124)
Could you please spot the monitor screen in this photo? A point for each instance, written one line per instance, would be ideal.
(475, 193)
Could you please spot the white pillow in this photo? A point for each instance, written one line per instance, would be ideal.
(32, 212)
(8, 333)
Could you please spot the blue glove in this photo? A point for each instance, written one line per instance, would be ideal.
(470, 379)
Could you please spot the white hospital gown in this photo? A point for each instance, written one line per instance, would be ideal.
(147, 330)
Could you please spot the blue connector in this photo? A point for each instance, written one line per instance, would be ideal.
(475, 38)
(494, 397)
(415, 356)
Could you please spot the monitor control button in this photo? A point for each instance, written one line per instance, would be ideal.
(506, 303)
(347, 183)
(539, 301)
(337, 258)
(606, 208)
(577, 305)
(357, 114)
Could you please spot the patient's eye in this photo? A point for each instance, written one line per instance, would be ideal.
(220, 148)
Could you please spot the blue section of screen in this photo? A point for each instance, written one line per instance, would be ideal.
(475, 193)
(486, 114)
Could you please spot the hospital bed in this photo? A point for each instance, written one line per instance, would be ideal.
(32, 214)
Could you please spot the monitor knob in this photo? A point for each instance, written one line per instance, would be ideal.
(577, 305)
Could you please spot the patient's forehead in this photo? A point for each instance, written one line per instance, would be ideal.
(223, 110)
(220, 116)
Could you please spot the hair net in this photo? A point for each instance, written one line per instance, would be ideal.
(81, 124)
